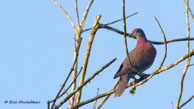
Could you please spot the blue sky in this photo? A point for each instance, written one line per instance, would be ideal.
(37, 43)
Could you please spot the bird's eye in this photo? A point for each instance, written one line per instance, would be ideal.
(137, 31)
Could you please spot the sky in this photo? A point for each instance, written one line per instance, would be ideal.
(37, 45)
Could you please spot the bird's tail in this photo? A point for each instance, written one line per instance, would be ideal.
(122, 85)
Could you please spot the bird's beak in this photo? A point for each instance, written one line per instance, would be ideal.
(133, 36)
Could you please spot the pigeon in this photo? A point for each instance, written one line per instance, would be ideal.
(141, 58)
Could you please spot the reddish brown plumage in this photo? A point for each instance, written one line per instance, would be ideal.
(141, 58)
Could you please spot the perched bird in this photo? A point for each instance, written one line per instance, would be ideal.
(141, 58)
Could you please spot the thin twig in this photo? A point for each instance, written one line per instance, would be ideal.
(188, 59)
(85, 82)
(172, 40)
(69, 99)
(113, 21)
(93, 99)
(186, 102)
(78, 41)
(125, 39)
(62, 86)
(165, 45)
(190, 11)
(85, 14)
(69, 85)
(178, 61)
(65, 14)
(153, 42)
(121, 19)
(48, 104)
(77, 14)
(57, 96)
(90, 42)
(107, 94)
(104, 100)
(171, 103)
(94, 107)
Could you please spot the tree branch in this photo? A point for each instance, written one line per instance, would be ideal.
(94, 107)
(57, 96)
(84, 83)
(67, 87)
(93, 32)
(77, 14)
(78, 40)
(65, 14)
(189, 10)
(165, 45)
(186, 102)
(113, 21)
(153, 42)
(107, 96)
(125, 40)
(85, 14)
(188, 59)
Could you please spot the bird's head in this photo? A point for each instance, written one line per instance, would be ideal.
(138, 33)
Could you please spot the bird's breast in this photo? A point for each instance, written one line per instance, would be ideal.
(143, 57)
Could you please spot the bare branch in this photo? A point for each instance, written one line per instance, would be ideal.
(190, 11)
(84, 83)
(67, 77)
(104, 100)
(78, 40)
(153, 42)
(62, 87)
(186, 102)
(69, 99)
(121, 19)
(65, 14)
(107, 94)
(113, 21)
(177, 62)
(172, 40)
(48, 104)
(125, 40)
(69, 85)
(171, 104)
(77, 14)
(189, 59)
(165, 45)
(94, 107)
(85, 14)
(90, 42)
(93, 99)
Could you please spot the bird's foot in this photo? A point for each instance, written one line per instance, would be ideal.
(135, 80)
(132, 91)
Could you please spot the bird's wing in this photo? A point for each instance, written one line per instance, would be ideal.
(119, 71)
